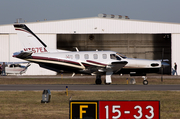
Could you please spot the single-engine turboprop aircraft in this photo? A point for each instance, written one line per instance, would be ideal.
(15, 67)
(84, 62)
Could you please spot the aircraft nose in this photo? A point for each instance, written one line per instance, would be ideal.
(165, 64)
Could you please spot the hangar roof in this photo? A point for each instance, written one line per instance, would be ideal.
(97, 25)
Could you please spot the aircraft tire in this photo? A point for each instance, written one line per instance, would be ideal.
(106, 83)
(98, 81)
(145, 82)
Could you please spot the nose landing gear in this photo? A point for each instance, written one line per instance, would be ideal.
(145, 82)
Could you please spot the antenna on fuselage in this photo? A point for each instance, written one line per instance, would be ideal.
(76, 49)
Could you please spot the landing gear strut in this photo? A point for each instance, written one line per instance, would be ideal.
(98, 79)
(145, 82)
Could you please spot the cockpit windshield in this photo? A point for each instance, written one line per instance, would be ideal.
(115, 57)
(124, 57)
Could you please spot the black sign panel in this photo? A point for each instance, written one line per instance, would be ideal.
(83, 110)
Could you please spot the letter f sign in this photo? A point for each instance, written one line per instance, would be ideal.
(82, 111)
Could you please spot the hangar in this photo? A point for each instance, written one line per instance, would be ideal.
(133, 38)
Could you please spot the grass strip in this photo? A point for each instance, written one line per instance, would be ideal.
(27, 104)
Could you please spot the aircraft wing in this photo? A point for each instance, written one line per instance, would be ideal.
(96, 67)
(116, 66)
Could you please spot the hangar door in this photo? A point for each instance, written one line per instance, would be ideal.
(4, 47)
(145, 46)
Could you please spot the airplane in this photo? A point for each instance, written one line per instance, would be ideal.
(15, 67)
(84, 62)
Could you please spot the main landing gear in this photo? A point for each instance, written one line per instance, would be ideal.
(145, 82)
(107, 80)
(98, 79)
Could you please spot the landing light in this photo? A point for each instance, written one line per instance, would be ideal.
(154, 64)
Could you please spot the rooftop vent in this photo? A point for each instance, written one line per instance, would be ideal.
(112, 16)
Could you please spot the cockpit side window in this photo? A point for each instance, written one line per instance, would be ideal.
(17, 65)
(115, 57)
(11, 65)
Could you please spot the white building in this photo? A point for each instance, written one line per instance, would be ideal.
(49, 31)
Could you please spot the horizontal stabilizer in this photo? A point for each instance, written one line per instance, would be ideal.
(22, 55)
(6, 63)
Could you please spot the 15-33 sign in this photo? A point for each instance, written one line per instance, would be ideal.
(115, 109)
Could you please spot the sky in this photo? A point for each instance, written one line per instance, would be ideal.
(33, 10)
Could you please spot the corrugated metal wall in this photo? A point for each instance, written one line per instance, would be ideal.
(104, 25)
(14, 46)
(4, 47)
(97, 25)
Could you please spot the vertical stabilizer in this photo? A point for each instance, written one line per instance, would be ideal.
(29, 40)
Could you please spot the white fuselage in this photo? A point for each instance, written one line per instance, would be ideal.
(96, 58)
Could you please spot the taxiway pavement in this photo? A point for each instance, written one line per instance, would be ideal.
(77, 87)
(90, 87)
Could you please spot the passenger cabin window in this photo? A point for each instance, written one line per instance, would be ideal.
(86, 56)
(77, 56)
(95, 56)
(104, 56)
(115, 57)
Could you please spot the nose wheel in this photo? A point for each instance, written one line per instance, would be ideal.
(145, 82)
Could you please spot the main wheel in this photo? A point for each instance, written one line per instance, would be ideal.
(98, 81)
(145, 82)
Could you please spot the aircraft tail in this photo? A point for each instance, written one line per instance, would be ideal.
(30, 42)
